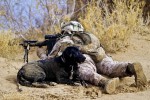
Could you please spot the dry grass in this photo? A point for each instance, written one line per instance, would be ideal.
(114, 29)
(9, 47)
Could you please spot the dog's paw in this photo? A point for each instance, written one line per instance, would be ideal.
(83, 83)
(52, 83)
(77, 84)
(40, 85)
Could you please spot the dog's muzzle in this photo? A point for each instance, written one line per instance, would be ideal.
(81, 59)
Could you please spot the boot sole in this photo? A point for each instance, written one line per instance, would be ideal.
(111, 85)
(140, 77)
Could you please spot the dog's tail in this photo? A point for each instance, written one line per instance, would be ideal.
(21, 80)
(18, 87)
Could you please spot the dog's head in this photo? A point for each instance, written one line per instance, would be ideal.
(72, 55)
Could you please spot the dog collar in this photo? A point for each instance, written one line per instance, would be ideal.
(71, 75)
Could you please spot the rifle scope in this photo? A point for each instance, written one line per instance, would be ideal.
(51, 36)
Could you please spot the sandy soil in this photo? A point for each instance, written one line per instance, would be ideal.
(138, 50)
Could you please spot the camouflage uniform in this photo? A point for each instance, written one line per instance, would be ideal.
(97, 63)
(41, 53)
(112, 68)
(60, 46)
(87, 69)
(105, 65)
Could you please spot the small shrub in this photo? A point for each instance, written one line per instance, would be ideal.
(9, 47)
(114, 28)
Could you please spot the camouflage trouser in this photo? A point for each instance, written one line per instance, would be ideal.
(88, 72)
(112, 68)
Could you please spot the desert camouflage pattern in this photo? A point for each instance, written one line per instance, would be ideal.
(89, 70)
(89, 44)
(112, 68)
(60, 46)
(41, 53)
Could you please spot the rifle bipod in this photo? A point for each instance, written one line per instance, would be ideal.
(26, 44)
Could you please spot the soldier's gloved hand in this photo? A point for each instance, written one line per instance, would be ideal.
(77, 84)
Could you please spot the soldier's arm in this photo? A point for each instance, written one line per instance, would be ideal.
(60, 46)
(55, 50)
(83, 48)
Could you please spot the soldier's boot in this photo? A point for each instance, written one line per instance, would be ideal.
(109, 85)
(136, 70)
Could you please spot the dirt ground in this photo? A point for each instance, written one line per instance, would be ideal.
(138, 50)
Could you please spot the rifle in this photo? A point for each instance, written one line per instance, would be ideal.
(26, 44)
(51, 40)
(51, 37)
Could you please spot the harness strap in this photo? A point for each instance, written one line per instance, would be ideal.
(63, 60)
(71, 75)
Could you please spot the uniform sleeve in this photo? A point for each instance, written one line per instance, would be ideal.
(55, 50)
(93, 48)
(60, 46)
(85, 48)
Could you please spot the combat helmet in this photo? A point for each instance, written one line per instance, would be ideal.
(72, 26)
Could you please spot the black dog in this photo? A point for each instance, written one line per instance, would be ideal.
(58, 69)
